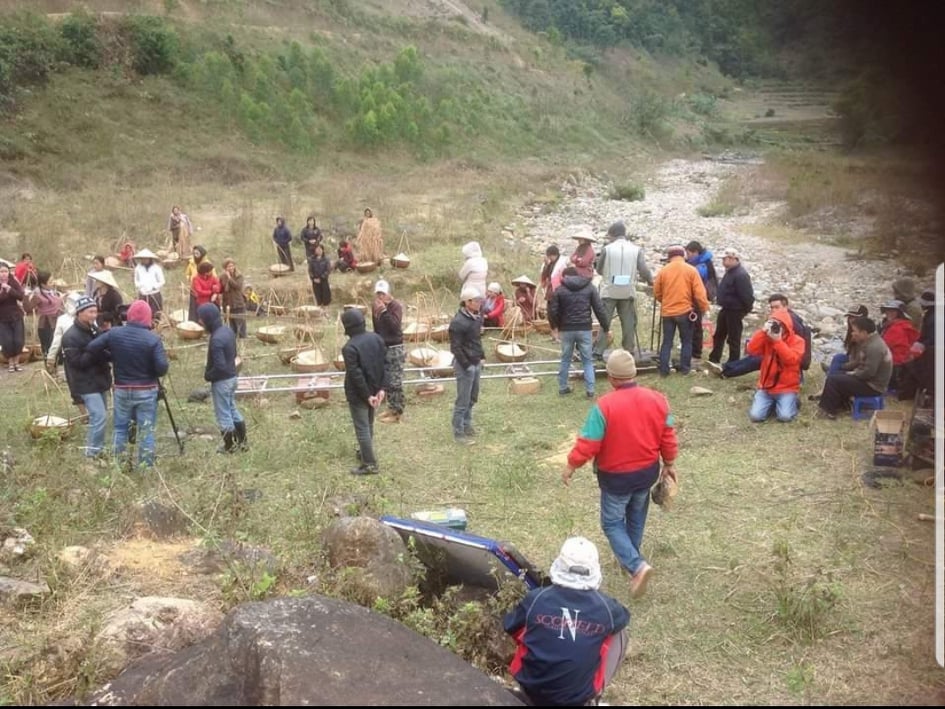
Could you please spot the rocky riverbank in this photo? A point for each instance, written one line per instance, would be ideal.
(821, 280)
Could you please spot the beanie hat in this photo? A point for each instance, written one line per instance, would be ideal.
(578, 565)
(353, 322)
(675, 250)
(140, 312)
(84, 303)
(620, 365)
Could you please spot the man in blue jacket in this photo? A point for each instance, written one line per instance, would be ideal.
(139, 361)
(221, 373)
(570, 637)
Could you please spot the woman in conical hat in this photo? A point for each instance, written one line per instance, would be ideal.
(149, 280)
(525, 297)
(583, 257)
(107, 296)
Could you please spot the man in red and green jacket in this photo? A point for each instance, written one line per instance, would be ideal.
(626, 433)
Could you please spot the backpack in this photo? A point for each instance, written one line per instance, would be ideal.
(711, 281)
(801, 328)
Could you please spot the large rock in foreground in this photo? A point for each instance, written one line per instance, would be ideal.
(316, 651)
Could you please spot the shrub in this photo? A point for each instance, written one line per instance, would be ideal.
(629, 192)
(156, 46)
(29, 49)
(81, 44)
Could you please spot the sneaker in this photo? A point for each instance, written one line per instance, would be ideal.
(471, 432)
(565, 392)
(365, 469)
(589, 394)
(639, 580)
(464, 440)
(714, 368)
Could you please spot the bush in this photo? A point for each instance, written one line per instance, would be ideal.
(156, 46)
(628, 192)
(81, 44)
(29, 50)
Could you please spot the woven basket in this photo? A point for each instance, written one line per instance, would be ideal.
(189, 330)
(271, 334)
(366, 267)
(309, 362)
(40, 425)
(279, 269)
(416, 331)
(525, 385)
(542, 327)
(510, 352)
(308, 312)
(400, 261)
(440, 333)
(339, 363)
(178, 316)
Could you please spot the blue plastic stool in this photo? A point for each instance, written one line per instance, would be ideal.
(862, 405)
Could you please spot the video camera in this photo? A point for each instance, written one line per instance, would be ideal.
(773, 327)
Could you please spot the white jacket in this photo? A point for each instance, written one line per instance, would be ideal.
(475, 269)
(149, 281)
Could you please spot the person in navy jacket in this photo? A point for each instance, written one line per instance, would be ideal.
(570, 637)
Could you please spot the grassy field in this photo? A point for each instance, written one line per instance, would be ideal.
(780, 578)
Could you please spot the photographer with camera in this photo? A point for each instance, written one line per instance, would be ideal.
(781, 351)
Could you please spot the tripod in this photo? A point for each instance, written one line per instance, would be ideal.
(162, 396)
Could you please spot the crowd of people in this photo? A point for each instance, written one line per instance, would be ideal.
(109, 350)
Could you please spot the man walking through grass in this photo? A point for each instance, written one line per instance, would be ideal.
(626, 433)
(365, 385)
(466, 346)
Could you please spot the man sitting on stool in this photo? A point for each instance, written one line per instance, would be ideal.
(869, 378)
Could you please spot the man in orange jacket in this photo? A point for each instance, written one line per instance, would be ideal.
(779, 380)
(681, 294)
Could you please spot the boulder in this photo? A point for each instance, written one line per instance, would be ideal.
(14, 589)
(155, 624)
(155, 520)
(17, 544)
(306, 651)
(364, 543)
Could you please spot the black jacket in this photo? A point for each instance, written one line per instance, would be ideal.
(364, 354)
(466, 339)
(85, 373)
(735, 291)
(319, 267)
(221, 352)
(311, 238)
(570, 305)
(108, 304)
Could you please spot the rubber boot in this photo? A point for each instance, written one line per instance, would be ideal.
(239, 435)
(228, 445)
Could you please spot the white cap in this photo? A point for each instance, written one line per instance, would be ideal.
(494, 288)
(382, 287)
(470, 293)
(578, 565)
(731, 253)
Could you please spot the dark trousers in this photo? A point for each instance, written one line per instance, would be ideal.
(840, 388)
(728, 329)
(322, 291)
(362, 416)
(285, 255)
(740, 367)
(238, 323)
(685, 327)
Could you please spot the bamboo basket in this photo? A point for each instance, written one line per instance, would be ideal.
(271, 334)
(279, 269)
(189, 330)
(275, 309)
(339, 363)
(40, 425)
(440, 333)
(366, 266)
(416, 331)
(525, 385)
(310, 362)
(401, 260)
(510, 352)
(288, 353)
(542, 327)
(423, 356)
(308, 311)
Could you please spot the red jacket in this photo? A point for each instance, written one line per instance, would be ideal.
(497, 314)
(899, 335)
(205, 287)
(780, 359)
(627, 430)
